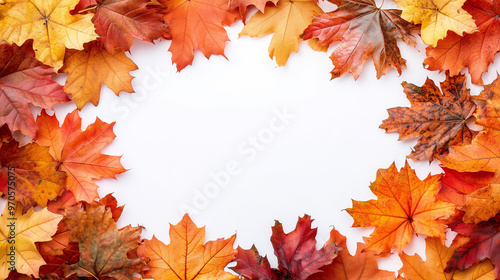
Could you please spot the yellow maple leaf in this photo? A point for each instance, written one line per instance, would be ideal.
(49, 24)
(94, 65)
(18, 234)
(437, 17)
(287, 21)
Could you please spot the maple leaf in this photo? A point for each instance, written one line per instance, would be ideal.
(49, 24)
(186, 257)
(25, 230)
(488, 106)
(287, 21)
(117, 22)
(405, 205)
(78, 152)
(437, 17)
(439, 120)
(197, 25)
(243, 5)
(92, 66)
(482, 204)
(364, 31)
(32, 174)
(103, 247)
(296, 253)
(475, 50)
(23, 81)
(455, 186)
(437, 255)
(484, 244)
(362, 266)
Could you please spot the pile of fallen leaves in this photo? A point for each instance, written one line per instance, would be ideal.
(55, 225)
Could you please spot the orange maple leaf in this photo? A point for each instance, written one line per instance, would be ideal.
(197, 25)
(243, 5)
(362, 266)
(78, 152)
(405, 205)
(488, 106)
(437, 256)
(186, 257)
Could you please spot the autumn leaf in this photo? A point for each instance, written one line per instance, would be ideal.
(405, 205)
(24, 81)
(32, 174)
(103, 247)
(438, 120)
(484, 244)
(296, 251)
(49, 24)
(287, 21)
(92, 66)
(186, 257)
(476, 50)
(197, 25)
(437, 255)
(365, 31)
(243, 5)
(437, 17)
(25, 230)
(78, 152)
(54, 269)
(488, 106)
(362, 266)
(117, 22)
(455, 186)
(482, 204)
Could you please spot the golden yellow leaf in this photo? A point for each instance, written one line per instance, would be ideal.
(287, 21)
(24, 231)
(437, 17)
(49, 24)
(92, 66)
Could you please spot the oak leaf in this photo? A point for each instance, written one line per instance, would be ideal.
(287, 21)
(361, 266)
(488, 106)
(405, 205)
(476, 50)
(26, 229)
(29, 174)
(78, 152)
(197, 25)
(438, 120)
(103, 247)
(24, 81)
(117, 22)
(437, 255)
(243, 5)
(49, 24)
(92, 66)
(437, 17)
(484, 244)
(364, 31)
(296, 251)
(186, 257)
(455, 186)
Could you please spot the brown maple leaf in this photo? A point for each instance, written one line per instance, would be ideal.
(473, 50)
(296, 251)
(23, 81)
(197, 25)
(364, 31)
(361, 266)
(117, 22)
(29, 173)
(405, 205)
(103, 248)
(92, 66)
(437, 255)
(186, 257)
(78, 152)
(439, 120)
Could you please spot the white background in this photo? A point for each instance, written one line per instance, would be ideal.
(178, 128)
